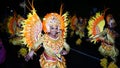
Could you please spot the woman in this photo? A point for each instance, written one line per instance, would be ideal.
(106, 35)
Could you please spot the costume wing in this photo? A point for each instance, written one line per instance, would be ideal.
(66, 23)
(11, 25)
(95, 26)
(32, 28)
(14, 23)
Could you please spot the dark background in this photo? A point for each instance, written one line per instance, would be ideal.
(88, 55)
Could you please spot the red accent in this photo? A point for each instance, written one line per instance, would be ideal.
(47, 57)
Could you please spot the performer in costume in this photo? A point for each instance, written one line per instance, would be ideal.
(77, 27)
(80, 29)
(52, 39)
(14, 28)
(97, 32)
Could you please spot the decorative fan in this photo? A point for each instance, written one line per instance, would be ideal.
(95, 26)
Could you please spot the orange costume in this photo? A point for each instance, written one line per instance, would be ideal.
(14, 28)
(52, 39)
(97, 32)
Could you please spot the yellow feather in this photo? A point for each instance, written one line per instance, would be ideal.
(95, 25)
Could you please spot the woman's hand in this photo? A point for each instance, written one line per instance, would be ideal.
(29, 56)
(63, 52)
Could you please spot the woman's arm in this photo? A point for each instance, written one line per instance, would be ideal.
(100, 34)
(32, 51)
(67, 49)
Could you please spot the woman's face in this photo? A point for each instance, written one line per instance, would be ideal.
(54, 31)
(112, 23)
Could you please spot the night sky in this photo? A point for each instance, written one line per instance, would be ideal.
(83, 56)
(79, 7)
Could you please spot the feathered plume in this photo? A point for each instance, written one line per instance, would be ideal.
(32, 28)
(95, 26)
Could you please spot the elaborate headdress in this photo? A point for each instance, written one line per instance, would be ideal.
(110, 20)
(55, 19)
(52, 19)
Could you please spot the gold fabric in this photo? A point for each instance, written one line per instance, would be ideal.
(44, 63)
